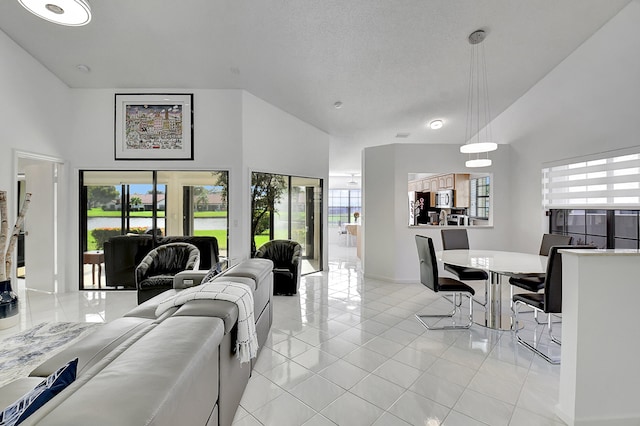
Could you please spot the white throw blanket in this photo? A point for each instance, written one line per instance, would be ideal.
(240, 294)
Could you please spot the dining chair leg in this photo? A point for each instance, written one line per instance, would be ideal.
(512, 307)
(456, 308)
(486, 295)
(553, 338)
(532, 347)
(537, 318)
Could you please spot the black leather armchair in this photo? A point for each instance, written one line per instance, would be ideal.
(123, 253)
(156, 271)
(286, 256)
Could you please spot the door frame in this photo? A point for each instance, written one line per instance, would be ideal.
(53, 242)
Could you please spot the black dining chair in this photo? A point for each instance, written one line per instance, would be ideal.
(535, 282)
(549, 302)
(455, 289)
(457, 239)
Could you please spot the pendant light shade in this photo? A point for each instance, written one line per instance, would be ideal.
(478, 162)
(474, 148)
(73, 13)
(478, 135)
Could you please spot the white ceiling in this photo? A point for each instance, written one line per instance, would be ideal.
(395, 64)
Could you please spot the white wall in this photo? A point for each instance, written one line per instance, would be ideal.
(275, 141)
(34, 118)
(34, 112)
(589, 103)
(389, 246)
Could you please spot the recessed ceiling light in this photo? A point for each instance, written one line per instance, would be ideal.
(73, 13)
(436, 124)
(337, 105)
(83, 68)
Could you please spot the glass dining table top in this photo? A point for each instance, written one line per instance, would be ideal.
(502, 262)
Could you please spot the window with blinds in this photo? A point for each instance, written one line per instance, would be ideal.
(593, 183)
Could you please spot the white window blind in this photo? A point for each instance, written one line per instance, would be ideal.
(612, 182)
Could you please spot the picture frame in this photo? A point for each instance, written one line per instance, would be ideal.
(153, 126)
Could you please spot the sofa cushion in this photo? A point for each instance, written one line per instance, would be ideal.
(226, 311)
(39, 395)
(256, 269)
(93, 347)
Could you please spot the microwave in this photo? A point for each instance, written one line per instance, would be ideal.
(444, 199)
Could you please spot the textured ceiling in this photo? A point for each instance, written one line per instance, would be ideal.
(394, 64)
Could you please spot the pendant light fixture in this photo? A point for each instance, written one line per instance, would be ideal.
(478, 127)
(73, 13)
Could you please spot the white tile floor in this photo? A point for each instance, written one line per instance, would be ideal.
(347, 350)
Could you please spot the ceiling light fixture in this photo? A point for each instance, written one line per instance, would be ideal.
(352, 181)
(478, 135)
(337, 105)
(73, 13)
(436, 124)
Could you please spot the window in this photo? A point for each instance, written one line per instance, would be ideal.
(167, 202)
(595, 199)
(602, 228)
(343, 203)
(480, 190)
(594, 182)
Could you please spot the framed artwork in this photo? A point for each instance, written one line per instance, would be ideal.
(153, 126)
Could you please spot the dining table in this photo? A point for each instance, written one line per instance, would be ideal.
(499, 265)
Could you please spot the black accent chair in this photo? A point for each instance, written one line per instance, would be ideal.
(454, 288)
(457, 239)
(123, 253)
(155, 273)
(286, 256)
(535, 282)
(549, 302)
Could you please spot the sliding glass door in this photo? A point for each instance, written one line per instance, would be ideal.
(154, 202)
(288, 207)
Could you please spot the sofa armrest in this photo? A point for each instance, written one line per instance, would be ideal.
(186, 279)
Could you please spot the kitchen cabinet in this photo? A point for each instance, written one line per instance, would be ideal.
(441, 183)
(459, 182)
(462, 190)
(446, 182)
(433, 183)
(415, 185)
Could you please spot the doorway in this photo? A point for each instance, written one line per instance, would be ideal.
(38, 241)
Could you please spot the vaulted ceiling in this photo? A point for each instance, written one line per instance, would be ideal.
(394, 64)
